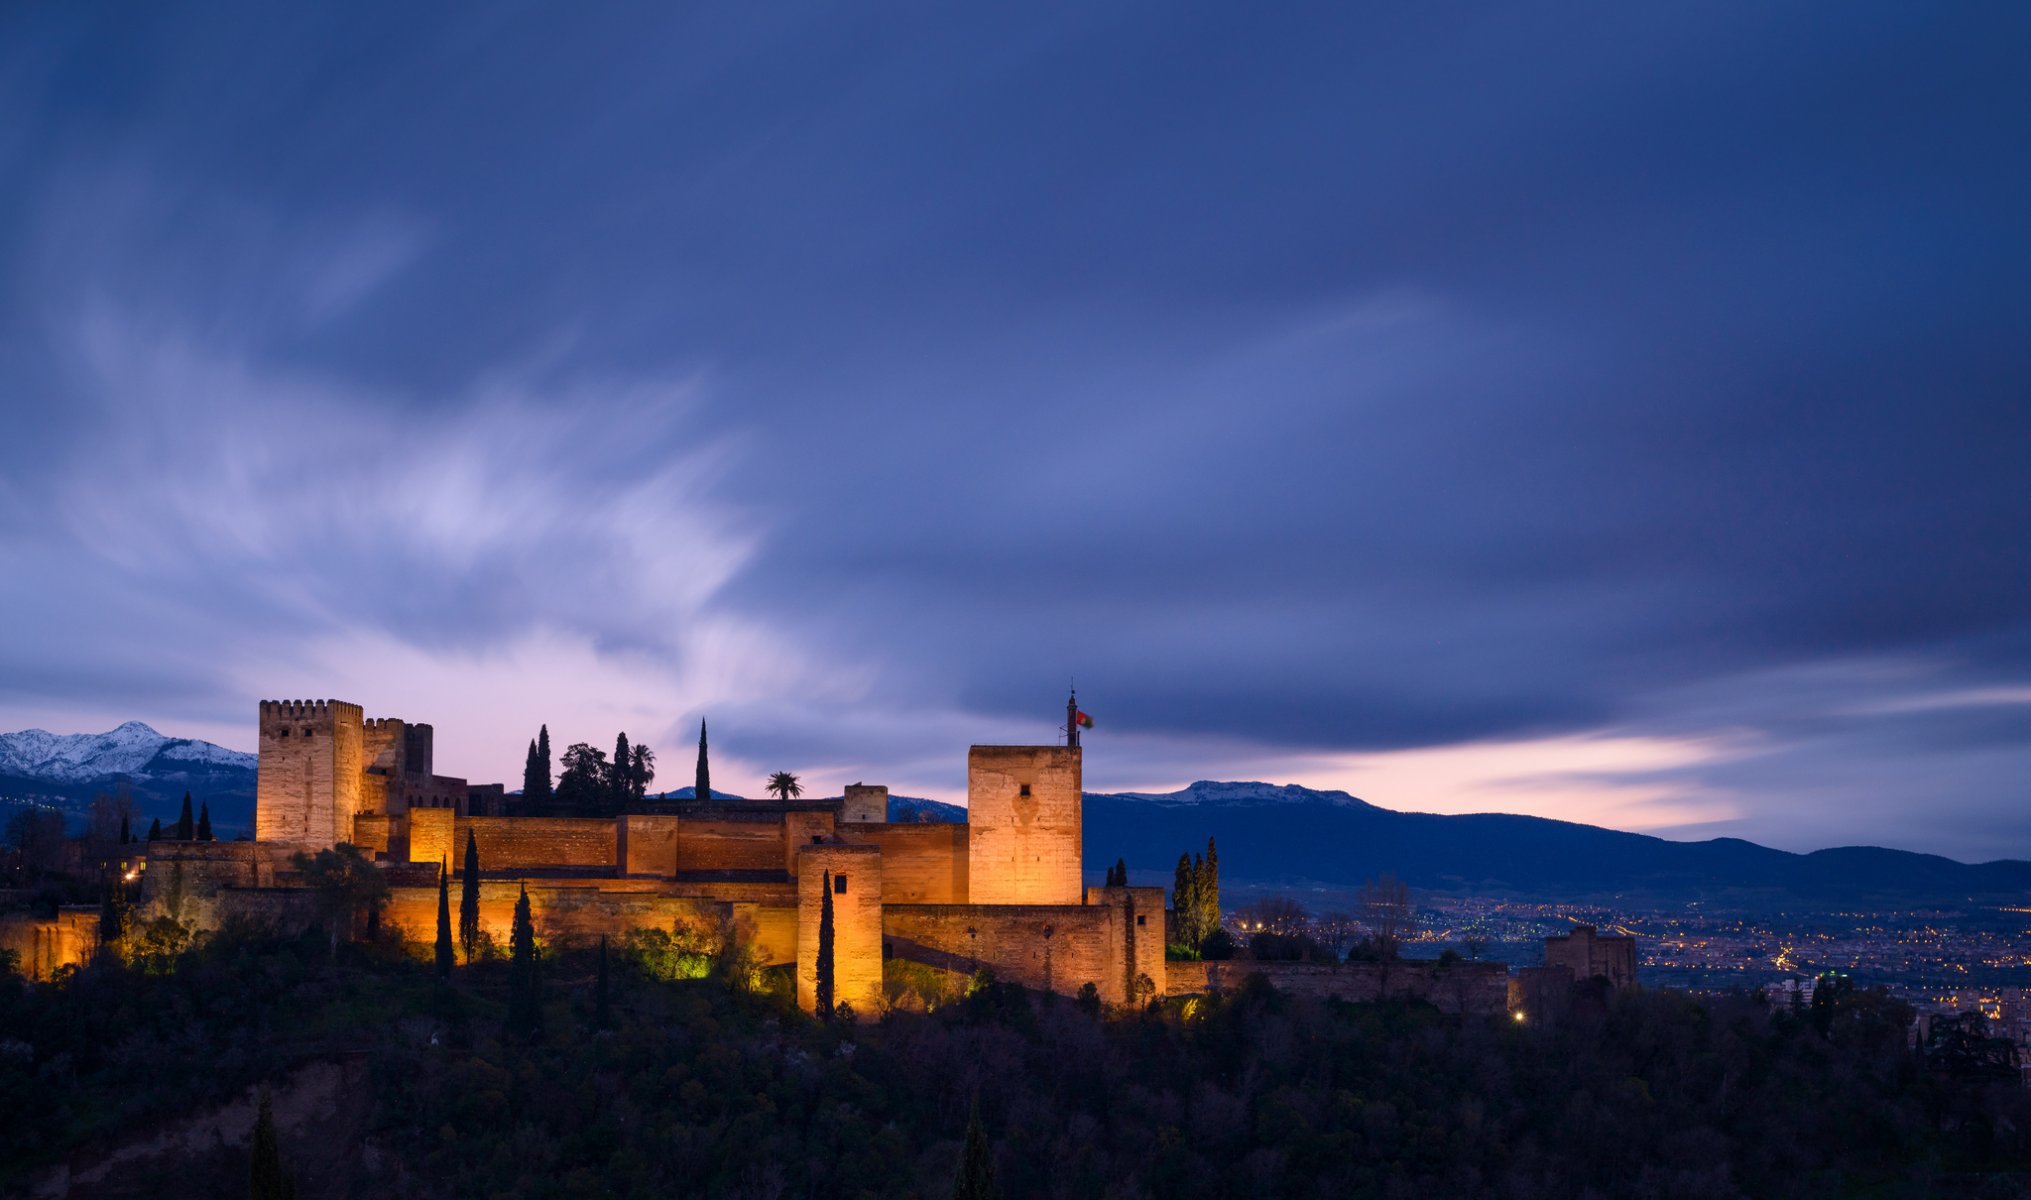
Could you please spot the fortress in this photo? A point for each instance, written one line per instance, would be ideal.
(1003, 890)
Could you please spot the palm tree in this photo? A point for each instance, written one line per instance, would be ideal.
(785, 785)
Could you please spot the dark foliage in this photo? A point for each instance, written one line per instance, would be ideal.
(699, 1089)
(186, 825)
(204, 822)
(267, 1179)
(525, 998)
(469, 898)
(703, 784)
(444, 955)
(155, 830)
(825, 936)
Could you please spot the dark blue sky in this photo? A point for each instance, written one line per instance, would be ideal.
(1622, 413)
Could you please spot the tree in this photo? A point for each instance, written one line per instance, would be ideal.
(112, 923)
(1185, 902)
(38, 834)
(155, 830)
(443, 921)
(267, 1179)
(1207, 892)
(1386, 910)
(1117, 875)
(601, 1016)
(582, 788)
(347, 884)
(186, 828)
(976, 1163)
(204, 822)
(525, 1004)
(620, 777)
(785, 785)
(642, 770)
(825, 949)
(469, 897)
(535, 779)
(126, 830)
(703, 788)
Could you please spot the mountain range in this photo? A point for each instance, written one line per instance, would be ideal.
(69, 769)
(1270, 836)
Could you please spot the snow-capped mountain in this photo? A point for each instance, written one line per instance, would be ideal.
(133, 749)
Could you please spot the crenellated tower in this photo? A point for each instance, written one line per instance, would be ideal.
(308, 788)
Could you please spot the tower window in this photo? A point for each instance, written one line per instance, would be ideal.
(1025, 792)
(282, 733)
(1142, 920)
(839, 884)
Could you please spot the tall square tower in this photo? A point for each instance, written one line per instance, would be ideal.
(308, 786)
(1023, 818)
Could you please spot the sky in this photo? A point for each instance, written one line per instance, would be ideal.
(1619, 413)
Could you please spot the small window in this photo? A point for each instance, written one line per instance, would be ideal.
(1142, 920)
(839, 884)
(1025, 793)
(282, 733)
(306, 733)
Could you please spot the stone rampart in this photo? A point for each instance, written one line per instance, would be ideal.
(648, 845)
(726, 844)
(48, 944)
(1476, 988)
(921, 864)
(513, 843)
(565, 911)
(1053, 947)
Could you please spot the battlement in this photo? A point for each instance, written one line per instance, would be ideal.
(320, 711)
(384, 724)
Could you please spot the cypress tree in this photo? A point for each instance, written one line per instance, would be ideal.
(155, 830)
(529, 776)
(1209, 892)
(544, 793)
(601, 1014)
(185, 827)
(976, 1163)
(825, 950)
(469, 897)
(703, 788)
(112, 923)
(204, 822)
(125, 835)
(620, 787)
(443, 921)
(1184, 903)
(267, 1179)
(525, 1006)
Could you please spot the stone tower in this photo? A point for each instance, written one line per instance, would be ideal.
(308, 788)
(854, 873)
(1023, 818)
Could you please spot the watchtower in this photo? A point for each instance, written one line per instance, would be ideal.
(852, 872)
(308, 787)
(1023, 819)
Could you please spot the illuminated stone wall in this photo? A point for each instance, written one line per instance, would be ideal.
(856, 924)
(1051, 947)
(308, 786)
(730, 845)
(574, 912)
(46, 944)
(921, 864)
(648, 845)
(1023, 822)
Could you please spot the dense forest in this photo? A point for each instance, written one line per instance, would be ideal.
(638, 1080)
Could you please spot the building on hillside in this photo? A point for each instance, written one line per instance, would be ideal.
(1004, 890)
(1589, 955)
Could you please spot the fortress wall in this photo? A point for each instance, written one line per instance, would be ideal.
(1475, 988)
(801, 829)
(209, 866)
(512, 843)
(1047, 946)
(373, 796)
(1144, 929)
(921, 864)
(47, 944)
(430, 835)
(1586, 954)
(565, 911)
(1024, 825)
(371, 831)
(508, 843)
(648, 845)
(774, 928)
(856, 924)
(728, 845)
